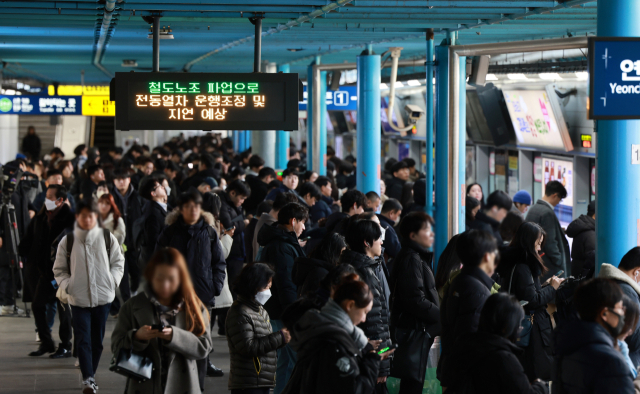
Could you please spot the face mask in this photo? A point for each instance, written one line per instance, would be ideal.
(617, 330)
(263, 296)
(100, 193)
(397, 221)
(168, 189)
(50, 204)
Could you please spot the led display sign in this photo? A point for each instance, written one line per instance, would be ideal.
(614, 78)
(205, 101)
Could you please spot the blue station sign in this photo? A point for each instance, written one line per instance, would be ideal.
(614, 78)
(40, 105)
(343, 99)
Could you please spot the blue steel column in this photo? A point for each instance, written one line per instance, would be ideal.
(617, 185)
(322, 170)
(247, 136)
(236, 140)
(462, 144)
(242, 142)
(368, 133)
(282, 137)
(442, 150)
(429, 100)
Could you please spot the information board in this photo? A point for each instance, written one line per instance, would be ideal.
(206, 101)
(41, 105)
(533, 119)
(614, 78)
(343, 99)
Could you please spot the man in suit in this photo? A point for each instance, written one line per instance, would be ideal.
(556, 247)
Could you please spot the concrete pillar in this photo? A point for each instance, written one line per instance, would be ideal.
(617, 185)
(368, 132)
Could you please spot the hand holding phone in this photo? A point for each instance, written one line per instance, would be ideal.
(391, 347)
(158, 327)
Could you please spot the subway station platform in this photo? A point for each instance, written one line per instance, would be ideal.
(20, 373)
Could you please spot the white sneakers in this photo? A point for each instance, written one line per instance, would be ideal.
(89, 386)
(7, 310)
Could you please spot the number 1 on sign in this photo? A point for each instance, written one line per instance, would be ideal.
(635, 154)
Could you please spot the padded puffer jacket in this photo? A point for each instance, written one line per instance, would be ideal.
(252, 345)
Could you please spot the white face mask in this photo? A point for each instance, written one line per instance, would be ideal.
(168, 189)
(50, 204)
(263, 296)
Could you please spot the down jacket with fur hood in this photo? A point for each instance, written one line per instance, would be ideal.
(90, 277)
(202, 250)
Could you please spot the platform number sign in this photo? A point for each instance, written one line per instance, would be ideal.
(206, 101)
(635, 154)
(614, 78)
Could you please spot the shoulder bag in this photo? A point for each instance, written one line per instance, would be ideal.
(132, 365)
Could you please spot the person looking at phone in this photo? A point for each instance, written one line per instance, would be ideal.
(252, 341)
(168, 324)
(521, 268)
(334, 354)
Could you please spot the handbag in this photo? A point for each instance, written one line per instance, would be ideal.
(526, 323)
(132, 365)
(410, 358)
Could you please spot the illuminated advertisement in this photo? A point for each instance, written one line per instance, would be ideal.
(40, 105)
(533, 119)
(207, 101)
(561, 171)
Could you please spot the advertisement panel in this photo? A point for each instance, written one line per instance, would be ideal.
(561, 171)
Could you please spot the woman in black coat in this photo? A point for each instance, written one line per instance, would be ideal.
(308, 272)
(414, 298)
(520, 269)
(486, 361)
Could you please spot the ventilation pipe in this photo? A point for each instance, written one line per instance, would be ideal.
(104, 35)
(395, 55)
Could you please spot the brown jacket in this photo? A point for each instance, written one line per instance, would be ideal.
(252, 345)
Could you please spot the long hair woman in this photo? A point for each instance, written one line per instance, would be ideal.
(308, 272)
(252, 342)
(168, 300)
(110, 217)
(520, 269)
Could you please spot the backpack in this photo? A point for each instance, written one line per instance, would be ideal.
(62, 295)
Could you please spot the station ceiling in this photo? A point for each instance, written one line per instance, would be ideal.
(53, 41)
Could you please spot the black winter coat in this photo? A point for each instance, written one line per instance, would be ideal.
(280, 250)
(229, 212)
(131, 207)
(491, 225)
(460, 310)
(583, 232)
(200, 246)
(154, 218)
(525, 286)
(586, 362)
(481, 362)
(391, 242)
(328, 360)
(37, 241)
(252, 345)
(376, 325)
(414, 298)
(259, 191)
(308, 273)
(394, 188)
(197, 179)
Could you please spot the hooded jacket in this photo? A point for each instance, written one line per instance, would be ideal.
(586, 362)
(90, 277)
(328, 360)
(116, 228)
(583, 232)
(482, 362)
(252, 345)
(632, 290)
(414, 298)
(202, 251)
(491, 225)
(308, 273)
(376, 325)
(280, 249)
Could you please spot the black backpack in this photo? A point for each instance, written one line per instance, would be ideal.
(107, 241)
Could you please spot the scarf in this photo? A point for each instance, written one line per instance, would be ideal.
(336, 314)
(166, 314)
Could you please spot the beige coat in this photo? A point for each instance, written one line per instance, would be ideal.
(184, 349)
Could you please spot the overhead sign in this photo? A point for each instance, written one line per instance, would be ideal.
(98, 106)
(40, 105)
(343, 99)
(206, 101)
(79, 90)
(614, 78)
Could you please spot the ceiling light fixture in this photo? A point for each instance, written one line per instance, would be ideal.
(413, 82)
(491, 77)
(295, 49)
(582, 75)
(517, 77)
(383, 86)
(129, 63)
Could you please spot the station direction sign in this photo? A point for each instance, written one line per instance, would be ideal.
(98, 106)
(614, 78)
(205, 101)
(343, 99)
(79, 90)
(41, 105)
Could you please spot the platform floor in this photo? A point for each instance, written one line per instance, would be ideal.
(20, 373)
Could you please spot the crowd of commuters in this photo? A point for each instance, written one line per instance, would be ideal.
(317, 287)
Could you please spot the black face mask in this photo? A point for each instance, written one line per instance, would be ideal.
(617, 330)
